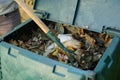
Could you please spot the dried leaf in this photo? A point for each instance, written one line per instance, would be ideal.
(55, 53)
(14, 42)
(20, 42)
(78, 53)
(90, 40)
(108, 42)
(81, 31)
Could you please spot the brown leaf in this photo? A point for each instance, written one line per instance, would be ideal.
(108, 42)
(20, 42)
(90, 40)
(14, 42)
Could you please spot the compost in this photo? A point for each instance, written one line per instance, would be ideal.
(88, 46)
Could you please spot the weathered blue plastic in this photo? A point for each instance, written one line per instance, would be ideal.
(59, 10)
(108, 68)
(98, 13)
(21, 64)
(91, 14)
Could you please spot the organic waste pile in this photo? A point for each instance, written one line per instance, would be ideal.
(88, 46)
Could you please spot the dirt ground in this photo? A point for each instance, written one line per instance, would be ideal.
(24, 16)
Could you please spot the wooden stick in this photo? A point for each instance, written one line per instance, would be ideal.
(44, 28)
(32, 15)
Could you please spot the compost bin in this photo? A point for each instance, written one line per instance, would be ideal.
(26, 53)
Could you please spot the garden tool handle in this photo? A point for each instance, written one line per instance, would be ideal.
(44, 28)
(32, 15)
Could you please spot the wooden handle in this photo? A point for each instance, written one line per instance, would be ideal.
(32, 15)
